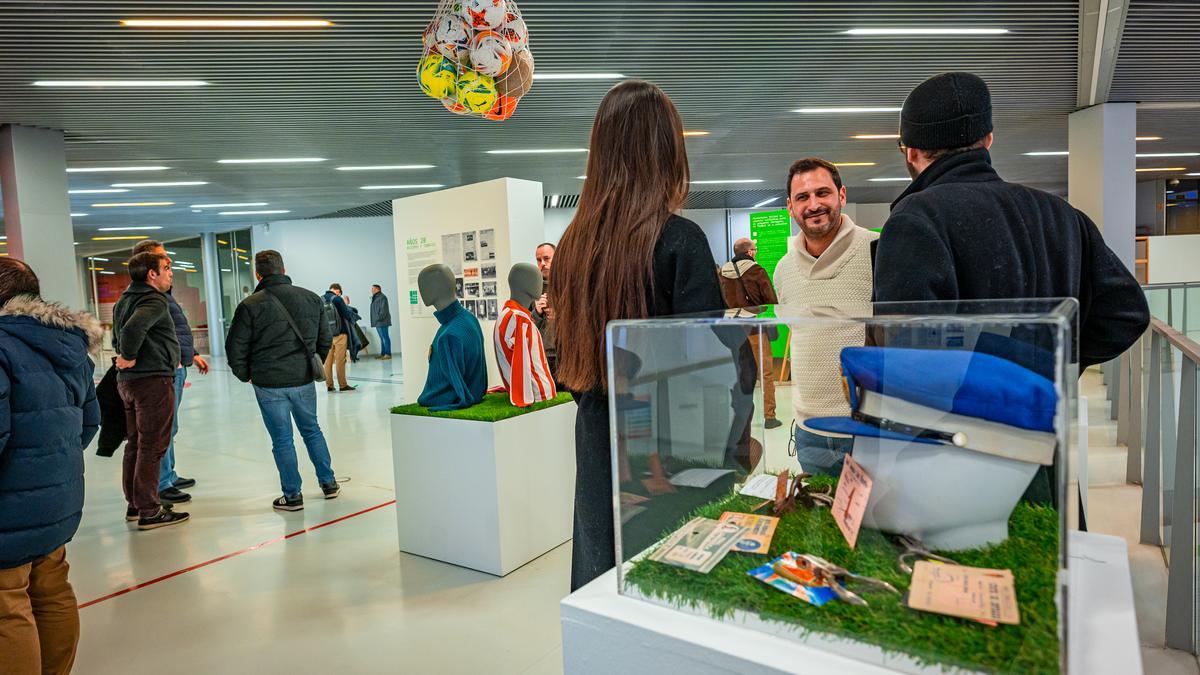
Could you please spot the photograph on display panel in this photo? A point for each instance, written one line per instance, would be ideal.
(492, 310)
(472, 290)
(487, 244)
(452, 252)
(488, 271)
(458, 287)
(469, 247)
(489, 289)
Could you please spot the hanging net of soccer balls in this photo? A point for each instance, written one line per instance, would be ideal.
(476, 59)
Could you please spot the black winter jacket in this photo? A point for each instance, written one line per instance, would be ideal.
(262, 348)
(143, 330)
(959, 232)
(187, 344)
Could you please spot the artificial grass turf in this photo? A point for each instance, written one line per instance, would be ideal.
(493, 408)
(1031, 552)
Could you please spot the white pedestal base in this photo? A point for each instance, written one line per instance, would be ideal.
(488, 496)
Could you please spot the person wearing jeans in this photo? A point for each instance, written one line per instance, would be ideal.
(381, 319)
(275, 336)
(820, 455)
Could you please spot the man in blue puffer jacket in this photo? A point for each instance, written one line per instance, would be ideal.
(48, 415)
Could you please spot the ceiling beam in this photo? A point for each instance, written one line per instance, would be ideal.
(1101, 25)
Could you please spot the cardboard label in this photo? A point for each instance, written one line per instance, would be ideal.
(967, 592)
(761, 531)
(850, 502)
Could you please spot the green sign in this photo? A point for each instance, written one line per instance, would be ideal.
(770, 231)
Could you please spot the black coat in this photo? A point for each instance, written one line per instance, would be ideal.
(112, 414)
(261, 346)
(187, 343)
(959, 232)
(144, 330)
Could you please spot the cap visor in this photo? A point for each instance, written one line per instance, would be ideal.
(852, 427)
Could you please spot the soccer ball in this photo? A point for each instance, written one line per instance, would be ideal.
(490, 53)
(503, 109)
(515, 31)
(429, 37)
(452, 37)
(476, 91)
(437, 76)
(517, 80)
(454, 106)
(484, 14)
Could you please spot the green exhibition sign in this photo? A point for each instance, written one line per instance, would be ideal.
(770, 231)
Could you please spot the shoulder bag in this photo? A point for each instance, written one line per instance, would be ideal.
(315, 366)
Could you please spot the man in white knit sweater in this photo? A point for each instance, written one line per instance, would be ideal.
(827, 265)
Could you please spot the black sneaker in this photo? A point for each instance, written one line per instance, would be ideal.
(331, 490)
(773, 423)
(163, 518)
(185, 483)
(174, 495)
(348, 387)
(286, 503)
(131, 514)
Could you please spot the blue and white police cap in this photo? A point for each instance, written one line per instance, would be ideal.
(968, 399)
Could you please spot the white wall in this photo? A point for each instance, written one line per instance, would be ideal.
(555, 222)
(354, 252)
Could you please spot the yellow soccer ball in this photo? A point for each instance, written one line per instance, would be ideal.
(476, 91)
(437, 76)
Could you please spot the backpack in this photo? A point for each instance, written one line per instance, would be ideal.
(329, 315)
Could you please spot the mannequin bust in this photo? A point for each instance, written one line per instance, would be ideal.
(457, 367)
(519, 349)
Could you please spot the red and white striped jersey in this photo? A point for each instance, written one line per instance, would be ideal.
(522, 357)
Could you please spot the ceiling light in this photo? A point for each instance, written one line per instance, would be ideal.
(854, 163)
(695, 133)
(226, 270)
(78, 215)
(121, 229)
(126, 84)
(273, 160)
(926, 31)
(1194, 174)
(226, 23)
(897, 179)
(1148, 138)
(167, 184)
(828, 111)
(251, 213)
(120, 204)
(386, 167)
(876, 137)
(106, 169)
(222, 242)
(122, 237)
(426, 186)
(766, 201)
(1048, 153)
(553, 201)
(100, 259)
(168, 252)
(584, 177)
(100, 191)
(1162, 168)
(536, 151)
(240, 250)
(230, 205)
(108, 273)
(731, 181)
(577, 76)
(1144, 155)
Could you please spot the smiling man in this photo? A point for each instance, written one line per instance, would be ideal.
(827, 265)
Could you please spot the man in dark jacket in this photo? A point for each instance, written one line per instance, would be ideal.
(48, 415)
(543, 313)
(345, 341)
(959, 232)
(274, 335)
(746, 285)
(171, 485)
(147, 355)
(381, 319)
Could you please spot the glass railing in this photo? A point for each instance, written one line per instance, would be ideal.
(1177, 305)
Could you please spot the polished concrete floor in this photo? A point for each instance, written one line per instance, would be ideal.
(243, 588)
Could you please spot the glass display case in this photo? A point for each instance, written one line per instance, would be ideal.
(908, 508)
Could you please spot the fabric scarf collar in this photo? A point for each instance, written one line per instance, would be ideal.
(974, 166)
(445, 316)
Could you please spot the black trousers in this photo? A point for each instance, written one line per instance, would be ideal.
(593, 550)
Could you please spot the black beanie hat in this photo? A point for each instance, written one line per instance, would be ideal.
(951, 110)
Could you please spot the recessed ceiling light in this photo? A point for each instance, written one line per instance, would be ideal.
(1048, 153)
(553, 201)
(854, 163)
(386, 167)
(577, 76)
(226, 270)
(429, 186)
(227, 206)
(110, 205)
(167, 184)
(252, 213)
(1161, 168)
(766, 201)
(695, 133)
(130, 229)
(731, 181)
(98, 191)
(1148, 138)
(926, 31)
(1145, 155)
(876, 137)
(120, 84)
(114, 169)
(273, 160)
(226, 23)
(829, 111)
(536, 151)
(581, 177)
(100, 259)
(121, 237)
(1194, 174)
(108, 273)
(78, 215)
(897, 179)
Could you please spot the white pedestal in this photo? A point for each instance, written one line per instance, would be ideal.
(604, 632)
(484, 495)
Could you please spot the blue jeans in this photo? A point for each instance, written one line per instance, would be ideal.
(385, 340)
(279, 407)
(821, 455)
(166, 473)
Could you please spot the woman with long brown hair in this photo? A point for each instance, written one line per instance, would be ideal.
(626, 255)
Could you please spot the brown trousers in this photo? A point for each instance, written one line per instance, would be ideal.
(149, 414)
(766, 367)
(337, 354)
(39, 617)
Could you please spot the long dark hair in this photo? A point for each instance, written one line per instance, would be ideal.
(637, 176)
